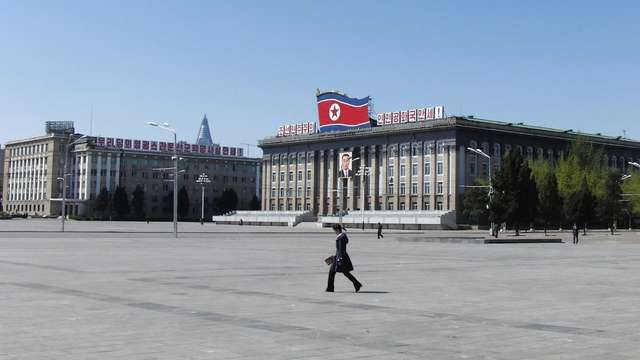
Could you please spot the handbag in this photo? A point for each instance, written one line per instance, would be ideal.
(330, 260)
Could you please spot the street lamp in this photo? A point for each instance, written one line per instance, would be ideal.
(634, 164)
(203, 179)
(363, 171)
(483, 154)
(166, 127)
(63, 179)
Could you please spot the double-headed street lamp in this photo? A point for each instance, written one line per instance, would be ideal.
(483, 154)
(203, 180)
(167, 127)
(63, 179)
(363, 171)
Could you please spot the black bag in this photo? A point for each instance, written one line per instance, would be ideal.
(330, 260)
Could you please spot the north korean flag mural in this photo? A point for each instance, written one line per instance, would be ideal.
(338, 112)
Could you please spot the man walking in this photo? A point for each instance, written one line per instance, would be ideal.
(576, 233)
(380, 231)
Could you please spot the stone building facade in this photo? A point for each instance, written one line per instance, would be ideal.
(34, 166)
(413, 166)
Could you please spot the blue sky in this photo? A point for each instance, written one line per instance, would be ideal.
(251, 66)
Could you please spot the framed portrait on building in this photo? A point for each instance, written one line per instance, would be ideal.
(345, 170)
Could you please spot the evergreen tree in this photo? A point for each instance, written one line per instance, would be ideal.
(514, 195)
(475, 202)
(609, 205)
(549, 202)
(103, 201)
(121, 202)
(138, 203)
(228, 200)
(183, 202)
(255, 203)
(579, 205)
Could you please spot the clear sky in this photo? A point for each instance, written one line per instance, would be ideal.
(251, 66)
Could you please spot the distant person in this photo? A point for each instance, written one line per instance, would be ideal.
(576, 233)
(241, 222)
(380, 231)
(341, 261)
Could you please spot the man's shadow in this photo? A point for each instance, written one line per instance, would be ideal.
(366, 292)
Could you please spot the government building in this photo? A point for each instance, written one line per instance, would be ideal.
(33, 172)
(413, 166)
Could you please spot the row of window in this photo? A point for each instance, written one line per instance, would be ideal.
(414, 169)
(282, 176)
(25, 208)
(414, 188)
(29, 150)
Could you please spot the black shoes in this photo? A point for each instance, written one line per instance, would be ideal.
(358, 287)
(329, 290)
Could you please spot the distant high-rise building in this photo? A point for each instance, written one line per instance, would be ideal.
(204, 134)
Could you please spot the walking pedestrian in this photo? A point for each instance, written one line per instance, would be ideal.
(341, 261)
(576, 233)
(380, 231)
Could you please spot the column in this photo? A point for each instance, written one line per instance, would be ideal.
(351, 204)
(108, 177)
(409, 178)
(265, 186)
(363, 160)
(453, 177)
(118, 169)
(331, 181)
(396, 177)
(98, 170)
(76, 178)
(373, 178)
(383, 179)
(320, 181)
(433, 150)
(445, 178)
(421, 159)
(87, 177)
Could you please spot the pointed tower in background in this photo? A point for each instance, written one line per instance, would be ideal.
(204, 134)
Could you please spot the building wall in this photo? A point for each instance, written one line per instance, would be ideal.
(34, 165)
(413, 166)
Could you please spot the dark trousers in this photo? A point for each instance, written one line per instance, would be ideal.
(332, 277)
(575, 238)
(380, 235)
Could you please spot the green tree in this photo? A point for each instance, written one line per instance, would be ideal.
(138, 203)
(475, 202)
(183, 202)
(549, 201)
(255, 203)
(609, 206)
(578, 207)
(103, 201)
(514, 195)
(631, 187)
(228, 200)
(120, 202)
(583, 161)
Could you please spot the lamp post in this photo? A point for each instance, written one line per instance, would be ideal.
(203, 180)
(63, 179)
(483, 154)
(363, 171)
(167, 127)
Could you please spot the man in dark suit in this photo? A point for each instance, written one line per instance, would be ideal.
(345, 166)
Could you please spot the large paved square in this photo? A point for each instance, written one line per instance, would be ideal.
(132, 291)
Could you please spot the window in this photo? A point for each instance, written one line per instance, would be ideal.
(308, 175)
(427, 205)
(307, 206)
(299, 175)
(439, 205)
(427, 168)
(390, 170)
(273, 177)
(298, 192)
(414, 169)
(401, 206)
(308, 191)
(440, 149)
(414, 188)
(390, 206)
(427, 188)
(402, 170)
(281, 192)
(439, 168)
(290, 175)
(439, 187)
(403, 188)
(414, 206)
(282, 176)
(414, 151)
(390, 187)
